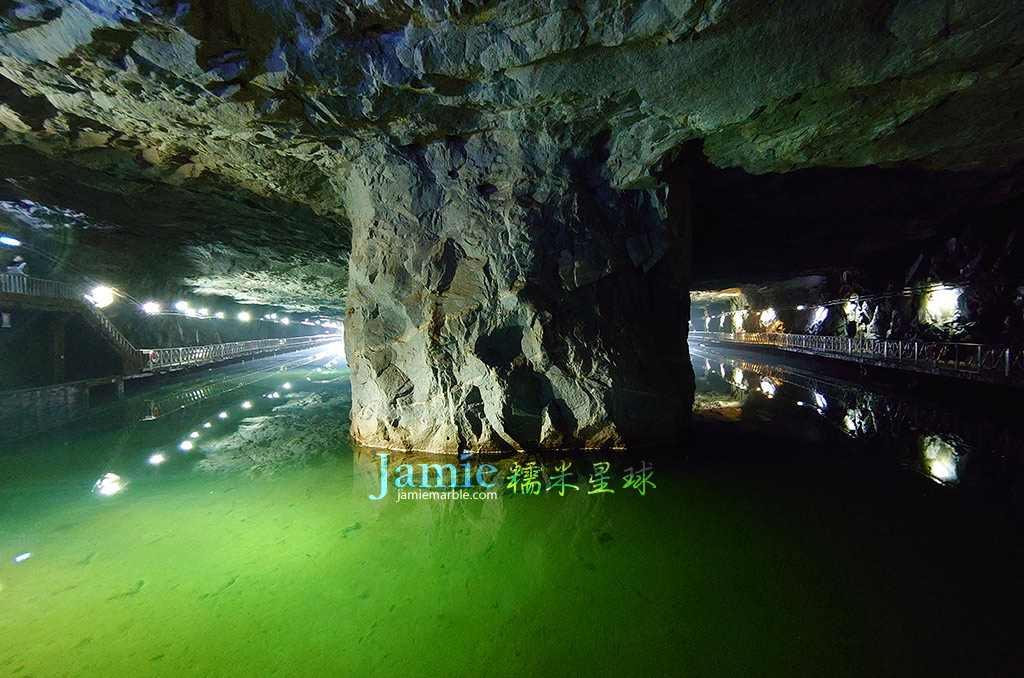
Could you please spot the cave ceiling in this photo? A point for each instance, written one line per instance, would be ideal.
(218, 134)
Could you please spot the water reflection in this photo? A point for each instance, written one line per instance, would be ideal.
(937, 441)
(700, 566)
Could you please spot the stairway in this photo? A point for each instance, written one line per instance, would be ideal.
(21, 291)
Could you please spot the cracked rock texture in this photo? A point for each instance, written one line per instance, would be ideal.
(497, 169)
(503, 296)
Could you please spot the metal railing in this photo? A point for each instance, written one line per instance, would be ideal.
(110, 329)
(933, 357)
(157, 359)
(36, 287)
(153, 359)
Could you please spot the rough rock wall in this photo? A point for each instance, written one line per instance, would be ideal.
(503, 296)
(520, 269)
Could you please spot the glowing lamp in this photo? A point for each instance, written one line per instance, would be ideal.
(100, 296)
(942, 304)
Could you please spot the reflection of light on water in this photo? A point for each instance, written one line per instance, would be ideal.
(722, 370)
(819, 400)
(737, 377)
(851, 419)
(707, 365)
(109, 484)
(940, 458)
(768, 387)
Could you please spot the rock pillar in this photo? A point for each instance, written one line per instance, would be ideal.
(503, 297)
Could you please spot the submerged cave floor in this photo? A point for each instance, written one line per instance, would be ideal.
(772, 545)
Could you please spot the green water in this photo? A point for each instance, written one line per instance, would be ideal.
(765, 551)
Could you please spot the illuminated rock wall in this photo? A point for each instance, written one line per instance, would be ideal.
(503, 296)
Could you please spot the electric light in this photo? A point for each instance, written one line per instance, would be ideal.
(820, 314)
(157, 459)
(285, 321)
(204, 311)
(800, 307)
(207, 425)
(9, 241)
(819, 400)
(941, 304)
(151, 308)
(180, 305)
(768, 387)
(22, 558)
(219, 314)
(246, 405)
(109, 484)
(768, 316)
(185, 445)
(193, 435)
(100, 296)
(287, 384)
(244, 317)
(223, 415)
